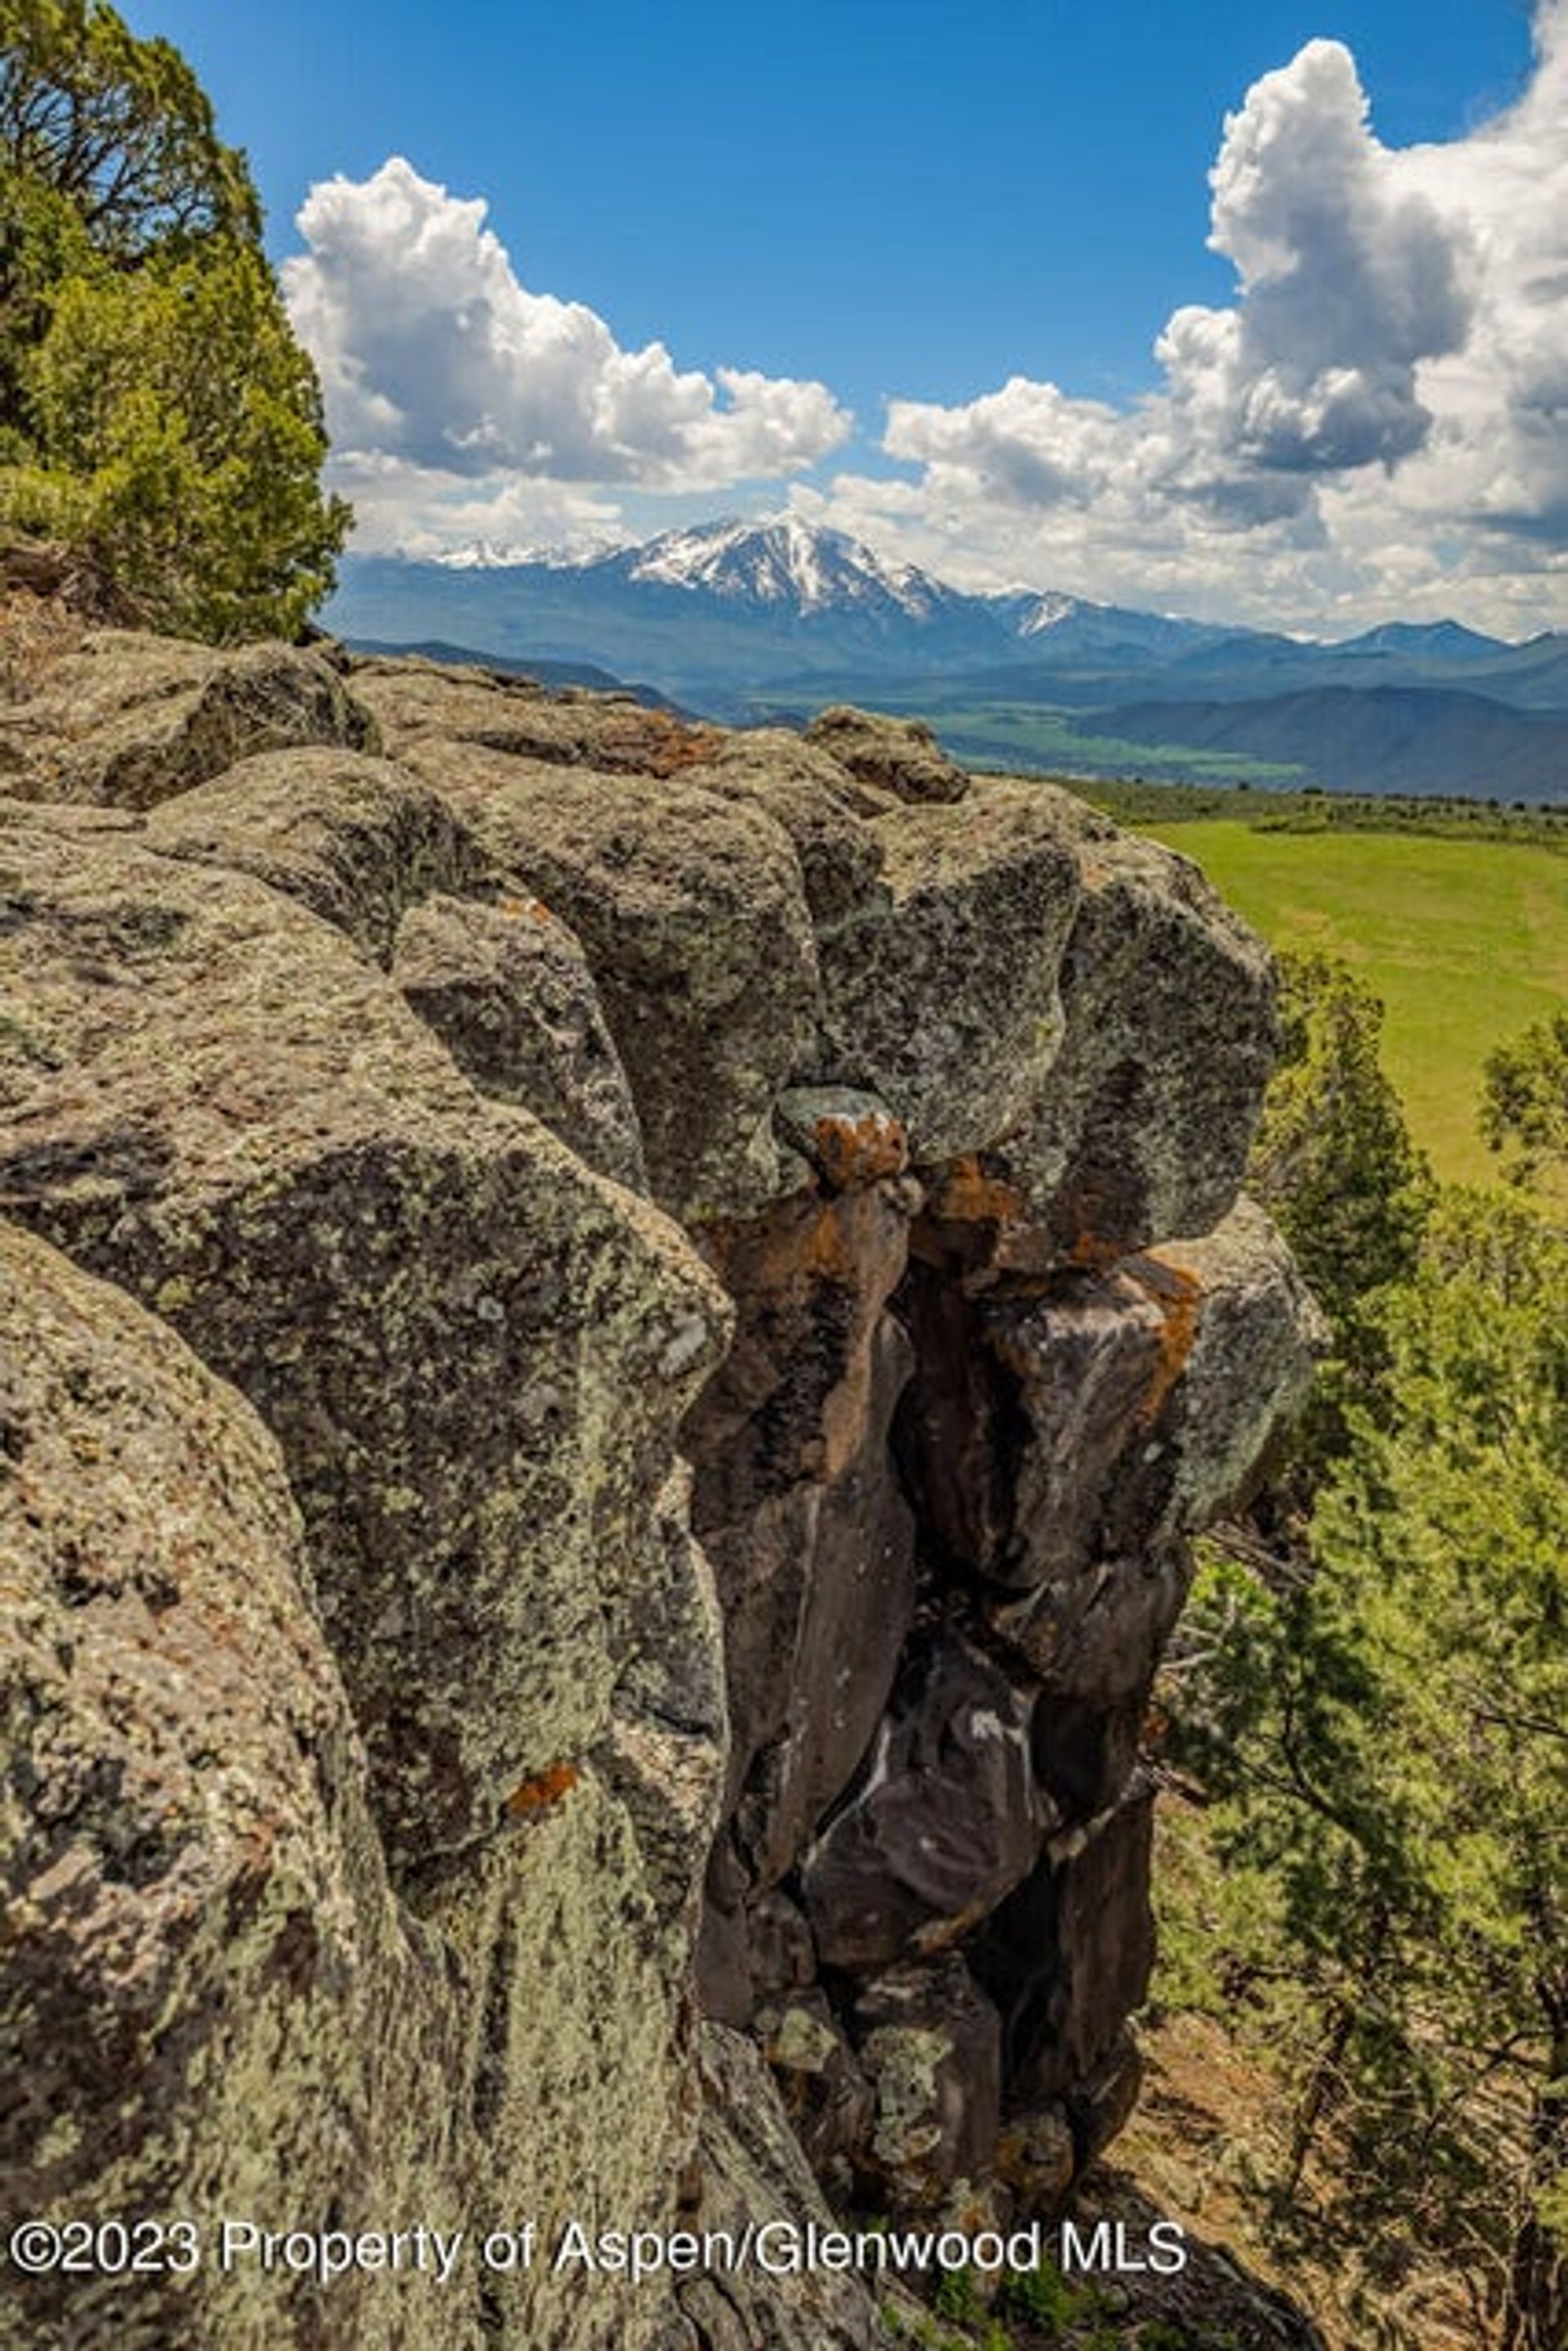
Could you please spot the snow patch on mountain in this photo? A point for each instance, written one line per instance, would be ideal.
(784, 562)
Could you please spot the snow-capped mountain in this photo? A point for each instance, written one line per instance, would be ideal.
(740, 617)
(784, 562)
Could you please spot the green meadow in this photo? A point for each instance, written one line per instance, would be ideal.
(1465, 941)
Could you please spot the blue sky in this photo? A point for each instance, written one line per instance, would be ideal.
(967, 228)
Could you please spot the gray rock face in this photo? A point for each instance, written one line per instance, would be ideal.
(464, 1616)
(414, 701)
(507, 990)
(356, 839)
(204, 1974)
(945, 1002)
(900, 755)
(752, 2170)
(1168, 1043)
(692, 913)
(816, 804)
(439, 1304)
(129, 720)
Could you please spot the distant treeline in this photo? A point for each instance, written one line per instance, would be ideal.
(1135, 801)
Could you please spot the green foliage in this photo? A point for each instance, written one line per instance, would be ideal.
(1334, 1160)
(183, 438)
(156, 414)
(118, 126)
(1386, 1741)
(1525, 1103)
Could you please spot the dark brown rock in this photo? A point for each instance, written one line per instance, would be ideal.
(1067, 1960)
(826, 2096)
(850, 1139)
(945, 1822)
(797, 1505)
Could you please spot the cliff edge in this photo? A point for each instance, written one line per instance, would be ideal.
(611, 1336)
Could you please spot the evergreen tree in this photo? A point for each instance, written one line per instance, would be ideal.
(1386, 1741)
(157, 415)
(1525, 1101)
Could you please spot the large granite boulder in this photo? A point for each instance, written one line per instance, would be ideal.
(506, 987)
(944, 999)
(358, 840)
(900, 755)
(209, 2006)
(691, 911)
(474, 1351)
(129, 720)
(413, 699)
(1168, 1038)
(816, 804)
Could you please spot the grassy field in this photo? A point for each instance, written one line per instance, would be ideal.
(1466, 942)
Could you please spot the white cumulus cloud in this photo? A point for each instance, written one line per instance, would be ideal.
(1378, 421)
(439, 366)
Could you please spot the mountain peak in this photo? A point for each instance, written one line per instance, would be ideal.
(782, 561)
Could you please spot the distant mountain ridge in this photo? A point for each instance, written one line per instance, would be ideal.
(732, 617)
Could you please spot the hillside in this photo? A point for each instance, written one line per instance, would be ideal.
(1377, 738)
(755, 621)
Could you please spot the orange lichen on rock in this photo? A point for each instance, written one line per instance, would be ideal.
(968, 1194)
(856, 1151)
(1178, 1294)
(666, 746)
(538, 1795)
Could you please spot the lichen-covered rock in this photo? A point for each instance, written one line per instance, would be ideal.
(946, 1820)
(930, 2043)
(1258, 1332)
(358, 840)
(901, 756)
(582, 2098)
(412, 699)
(474, 1351)
(945, 1001)
(209, 2006)
(830, 2104)
(805, 792)
(131, 720)
(752, 2170)
(506, 987)
(692, 912)
(1167, 1041)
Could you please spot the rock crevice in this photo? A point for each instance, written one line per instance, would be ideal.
(611, 1338)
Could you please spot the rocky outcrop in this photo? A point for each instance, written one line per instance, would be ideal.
(612, 1338)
